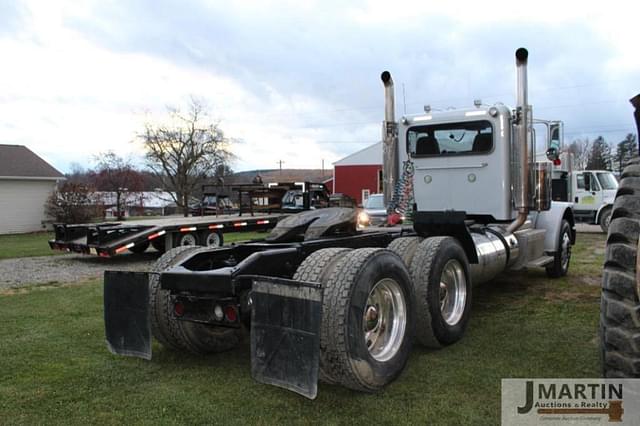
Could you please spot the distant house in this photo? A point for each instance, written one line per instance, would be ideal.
(26, 181)
(138, 203)
(359, 174)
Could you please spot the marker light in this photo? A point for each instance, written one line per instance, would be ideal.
(230, 313)
(178, 309)
(218, 313)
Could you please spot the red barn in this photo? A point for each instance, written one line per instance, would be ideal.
(359, 174)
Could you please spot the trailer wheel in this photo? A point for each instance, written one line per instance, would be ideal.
(175, 334)
(405, 247)
(315, 268)
(213, 239)
(139, 248)
(619, 304)
(188, 239)
(368, 319)
(158, 244)
(605, 219)
(442, 285)
(561, 259)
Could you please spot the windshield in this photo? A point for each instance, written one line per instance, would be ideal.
(292, 198)
(607, 181)
(375, 202)
(472, 137)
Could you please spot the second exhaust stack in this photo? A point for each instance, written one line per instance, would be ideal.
(389, 141)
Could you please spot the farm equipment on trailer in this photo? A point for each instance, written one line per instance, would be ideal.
(325, 301)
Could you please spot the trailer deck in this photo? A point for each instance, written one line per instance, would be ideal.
(111, 238)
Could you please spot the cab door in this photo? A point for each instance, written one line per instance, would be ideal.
(587, 195)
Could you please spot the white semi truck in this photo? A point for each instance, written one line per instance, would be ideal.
(324, 300)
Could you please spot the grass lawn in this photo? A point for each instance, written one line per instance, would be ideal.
(26, 245)
(55, 367)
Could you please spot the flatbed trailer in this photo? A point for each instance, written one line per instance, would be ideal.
(111, 238)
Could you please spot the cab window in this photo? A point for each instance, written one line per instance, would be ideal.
(473, 137)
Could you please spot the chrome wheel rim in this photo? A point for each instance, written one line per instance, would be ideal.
(453, 292)
(188, 240)
(566, 251)
(213, 240)
(384, 320)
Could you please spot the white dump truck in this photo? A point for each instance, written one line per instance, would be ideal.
(324, 300)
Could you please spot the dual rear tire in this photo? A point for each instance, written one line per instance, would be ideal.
(442, 286)
(183, 335)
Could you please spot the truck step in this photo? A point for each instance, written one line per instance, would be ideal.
(540, 262)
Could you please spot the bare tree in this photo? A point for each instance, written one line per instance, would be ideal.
(580, 148)
(118, 175)
(187, 151)
(72, 203)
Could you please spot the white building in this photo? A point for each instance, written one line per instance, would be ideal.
(26, 181)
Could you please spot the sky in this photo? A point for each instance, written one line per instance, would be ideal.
(299, 81)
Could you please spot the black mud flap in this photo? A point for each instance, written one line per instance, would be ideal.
(126, 313)
(285, 334)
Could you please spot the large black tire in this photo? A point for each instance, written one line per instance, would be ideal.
(605, 219)
(562, 258)
(164, 327)
(427, 267)
(184, 335)
(315, 268)
(140, 248)
(620, 306)
(405, 247)
(347, 298)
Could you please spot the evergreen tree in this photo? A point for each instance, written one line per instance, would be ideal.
(626, 150)
(600, 155)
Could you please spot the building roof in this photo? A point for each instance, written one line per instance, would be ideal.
(277, 175)
(371, 155)
(18, 161)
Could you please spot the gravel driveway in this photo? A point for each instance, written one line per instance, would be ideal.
(67, 268)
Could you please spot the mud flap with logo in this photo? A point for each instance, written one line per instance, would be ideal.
(126, 313)
(285, 334)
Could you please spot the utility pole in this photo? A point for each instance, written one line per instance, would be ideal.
(280, 163)
(323, 167)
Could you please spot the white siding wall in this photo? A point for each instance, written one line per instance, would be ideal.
(22, 204)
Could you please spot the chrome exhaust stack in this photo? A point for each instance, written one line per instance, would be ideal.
(521, 145)
(389, 140)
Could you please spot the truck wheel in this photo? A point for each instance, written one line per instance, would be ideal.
(188, 239)
(315, 269)
(213, 239)
(405, 247)
(367, 319)
(619, 304)
(164, 327)
(139, 248)
(561, 259)
(175, 334)
(205, 339)
(605, 219)
(442, 285)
